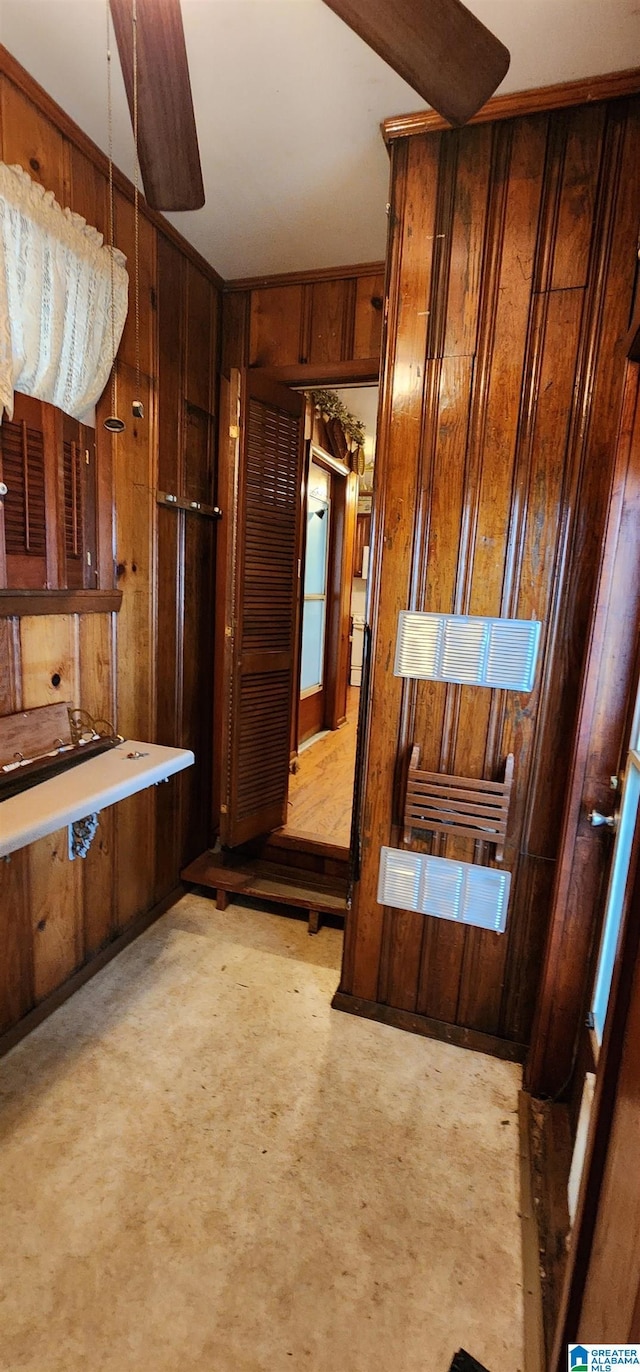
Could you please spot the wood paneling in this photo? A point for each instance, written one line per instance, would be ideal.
(275, 336)
(31, 140)
(369, 310)
(510, 287)
(597, 756)
(145, 668)
(317, 320)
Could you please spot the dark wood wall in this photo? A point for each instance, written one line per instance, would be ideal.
(148, 667)
(312, 325)
(512, 269)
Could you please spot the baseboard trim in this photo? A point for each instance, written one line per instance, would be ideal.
(534, 1344)
(430, 1028)
(40, 1012)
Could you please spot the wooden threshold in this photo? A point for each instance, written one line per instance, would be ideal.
(534, 1350)
(431, 1028)
(293, 840)
(232, 875)
(549, 1147)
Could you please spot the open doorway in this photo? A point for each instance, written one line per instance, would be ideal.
(322, 782)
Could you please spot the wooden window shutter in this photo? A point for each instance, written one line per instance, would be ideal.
(261, 648)
(25, 504)
(78, 484)
(73, 512)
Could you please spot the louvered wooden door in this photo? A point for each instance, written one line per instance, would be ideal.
(29, 549)
(260, 640)
(48, 514)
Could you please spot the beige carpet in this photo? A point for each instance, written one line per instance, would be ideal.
(203, 1167)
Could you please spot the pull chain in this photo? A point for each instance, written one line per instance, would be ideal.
(114, 424)
(138, 410)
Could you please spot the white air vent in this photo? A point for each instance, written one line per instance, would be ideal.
(467, 649)
(460, 891)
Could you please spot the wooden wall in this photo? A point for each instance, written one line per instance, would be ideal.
(324, 323)
(513, 259)
(148, 667)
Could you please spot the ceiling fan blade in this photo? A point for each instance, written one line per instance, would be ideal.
(437, 46)
(167, 138)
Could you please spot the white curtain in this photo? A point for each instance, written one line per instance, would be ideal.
(56, 333)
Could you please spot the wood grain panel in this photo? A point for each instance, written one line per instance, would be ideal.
(610, 1304)
(16, 963)
(133, 479)
(49, 660)
(10, 676)
(369, 312)
(96, 694)
(171, 322)
(602, 712)
(55, 890)
(56, 915)
(399, 435)
(330, 311)
(89, 189)
(578, 191)
(135, 840)
(198, 455)
(199, 341)
(32, 141)
(531, 245)
(235, 311)
(197, 685)
(125, 240)
(467, 237)
(275, 327)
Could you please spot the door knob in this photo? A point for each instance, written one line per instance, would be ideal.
(599, 821)
(4, 490)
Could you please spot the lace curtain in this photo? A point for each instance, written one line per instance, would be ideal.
(56, 335)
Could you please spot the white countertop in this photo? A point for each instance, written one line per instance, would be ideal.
(85, 790)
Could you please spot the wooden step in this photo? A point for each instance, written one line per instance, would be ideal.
(307, 851)
(229, 875)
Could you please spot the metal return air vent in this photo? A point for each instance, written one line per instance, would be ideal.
(468, 650)
(459, 891)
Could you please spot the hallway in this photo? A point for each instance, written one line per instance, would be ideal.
(204, 1167)
(321, 792)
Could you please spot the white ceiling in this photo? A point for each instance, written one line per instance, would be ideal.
(288, 105)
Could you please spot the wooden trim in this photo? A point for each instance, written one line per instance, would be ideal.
(59, 602)
(298, 841)
(430, 1028)
(361, 370)
(253, 283)
(586, 90)
(559, 1012)
(16, 73)
(63, 993)
(534, 1350)
(328, 460)
(632, 341)
(608, 1071)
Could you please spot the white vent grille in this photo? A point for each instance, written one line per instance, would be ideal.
(468, 650)
(459, 891)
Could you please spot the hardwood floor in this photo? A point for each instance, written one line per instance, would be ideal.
(321, 795)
